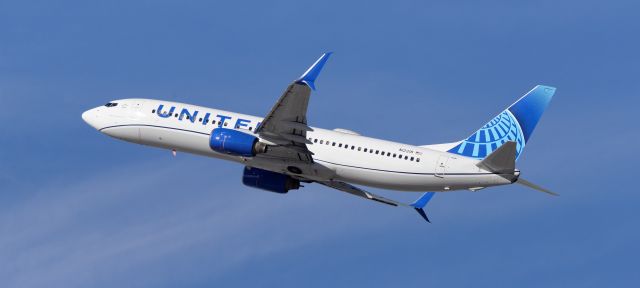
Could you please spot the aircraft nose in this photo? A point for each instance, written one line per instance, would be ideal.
(85, 116)
(91, 118)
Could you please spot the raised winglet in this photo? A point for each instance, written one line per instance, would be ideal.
(309, 76)
(421, 202)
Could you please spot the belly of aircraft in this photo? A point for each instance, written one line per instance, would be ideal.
(319, 170)
(417, 181)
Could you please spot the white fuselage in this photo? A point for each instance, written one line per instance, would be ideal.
(338, 155)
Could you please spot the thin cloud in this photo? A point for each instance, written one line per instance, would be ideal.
(66, 234)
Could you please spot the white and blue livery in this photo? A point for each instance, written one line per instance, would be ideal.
(282, 150)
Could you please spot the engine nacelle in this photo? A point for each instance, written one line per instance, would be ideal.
(267, 180)
(234, 142)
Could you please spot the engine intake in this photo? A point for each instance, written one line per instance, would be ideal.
(268, 180)
(234, 142)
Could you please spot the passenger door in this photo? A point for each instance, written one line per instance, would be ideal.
(441, 166)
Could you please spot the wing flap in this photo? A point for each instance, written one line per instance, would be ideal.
(353, 190)
(286, 124)
(417, 205)
(295, 138)
(296, 125)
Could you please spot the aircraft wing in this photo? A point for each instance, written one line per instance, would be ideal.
(346, 187)
(418, 205)
(286, 123)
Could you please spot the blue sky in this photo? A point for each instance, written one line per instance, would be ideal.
(80, 209)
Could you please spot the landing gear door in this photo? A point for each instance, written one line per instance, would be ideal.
(441, 166)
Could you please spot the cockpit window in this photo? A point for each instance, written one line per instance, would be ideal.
(111, 104)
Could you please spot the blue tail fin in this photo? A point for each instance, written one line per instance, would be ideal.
(516, 123)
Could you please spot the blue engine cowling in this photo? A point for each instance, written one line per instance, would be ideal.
(267, 180)
(229, 141)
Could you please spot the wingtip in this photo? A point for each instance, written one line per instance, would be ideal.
(423, 200)
(423, 214)
(309, 77)
(419, 204)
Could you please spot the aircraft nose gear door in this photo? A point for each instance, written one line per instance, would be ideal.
(441, 166)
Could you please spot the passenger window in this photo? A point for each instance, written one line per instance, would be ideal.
(187, 117)
(333, 144)
(417, 159)
(365, 149)
(411, 158)
(340, 145)
(252, 128)
(353, 147)
(225, 124)
(321, 141)
(388, 153)
(377, 152)
(315, 141)
(153, 111)
(213, 121)
(406, 157)
(359, 148)
(176, 115)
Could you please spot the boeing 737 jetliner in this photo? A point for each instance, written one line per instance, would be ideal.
(281, 150)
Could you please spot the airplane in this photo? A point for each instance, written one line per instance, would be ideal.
(281, 150)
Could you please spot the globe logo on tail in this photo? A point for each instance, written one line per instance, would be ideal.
(499, 130)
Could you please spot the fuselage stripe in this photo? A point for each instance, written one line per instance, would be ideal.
(319, 160)
(155, 126)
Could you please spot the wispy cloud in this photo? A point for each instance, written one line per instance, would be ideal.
(85, 232)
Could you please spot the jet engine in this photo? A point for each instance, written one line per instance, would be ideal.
(268, 180)
(234, 142)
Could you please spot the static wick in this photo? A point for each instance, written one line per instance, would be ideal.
(173, 151)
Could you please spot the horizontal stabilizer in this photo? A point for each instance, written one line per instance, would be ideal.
(535, 187)
(501, 161)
